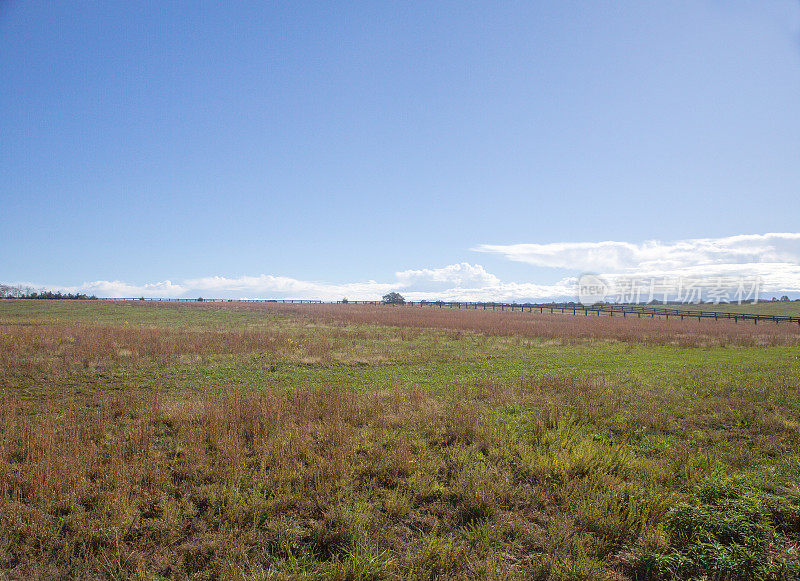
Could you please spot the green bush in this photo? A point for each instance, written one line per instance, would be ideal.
(393, 299)
(723, 532)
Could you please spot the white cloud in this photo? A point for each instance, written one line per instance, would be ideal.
(268, 285)
(503, 292)
(119, 289)
(462, 275)
(264, 286)
(655, 255)
(463, 281)
(775, 258)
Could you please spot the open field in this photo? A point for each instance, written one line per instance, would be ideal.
(790, 308)
(243, 441)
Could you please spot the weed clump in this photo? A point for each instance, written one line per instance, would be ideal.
(724, 531)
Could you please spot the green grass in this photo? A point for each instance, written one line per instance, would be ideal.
(790, 308)
(171, 441)
(140, 313)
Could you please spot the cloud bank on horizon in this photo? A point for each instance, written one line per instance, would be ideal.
(774, 257)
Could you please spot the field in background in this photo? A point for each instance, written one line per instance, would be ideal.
(790, 308)
(367, 442)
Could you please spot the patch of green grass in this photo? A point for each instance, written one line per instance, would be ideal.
(790, 308)
(726, 529)
(191, 441)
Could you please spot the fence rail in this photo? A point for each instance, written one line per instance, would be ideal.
(619, 310)
(564, 308)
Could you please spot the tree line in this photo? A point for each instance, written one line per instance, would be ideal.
(26, 292)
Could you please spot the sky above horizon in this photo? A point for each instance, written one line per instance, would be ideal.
(470, 150)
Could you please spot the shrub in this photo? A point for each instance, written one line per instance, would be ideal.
(725, 532)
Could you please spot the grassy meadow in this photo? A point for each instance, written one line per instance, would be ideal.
(782, 308)
(261, 440)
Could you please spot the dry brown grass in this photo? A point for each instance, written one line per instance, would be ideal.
(688, 332)
(143, 484)
(79, 344)
(533, 477)
(50, 346)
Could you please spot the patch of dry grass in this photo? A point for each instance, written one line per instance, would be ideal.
(688, 332)
(532, 477)
(515, 480)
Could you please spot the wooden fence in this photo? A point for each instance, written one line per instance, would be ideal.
(618, 310)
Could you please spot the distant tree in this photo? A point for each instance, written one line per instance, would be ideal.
(344, 301)
(19, 292)
(199, 299)
(393, 299)
(785, 299)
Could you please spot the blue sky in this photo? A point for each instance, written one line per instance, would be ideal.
(445, 149)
